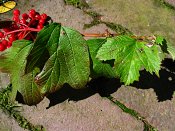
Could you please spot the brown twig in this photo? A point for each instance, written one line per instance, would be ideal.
(108, 34)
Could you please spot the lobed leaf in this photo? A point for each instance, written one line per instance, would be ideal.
(68, 62)
(130, 56)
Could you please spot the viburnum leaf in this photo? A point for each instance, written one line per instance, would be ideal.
(69, 58)
(99, 68)
(130, 56)
(13, 60)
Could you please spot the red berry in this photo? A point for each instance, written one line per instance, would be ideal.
(1, 35)
(20, 36)
(32, 16)
(37, 17)
(32, 13)
(9, 44)
(12, 38)
(16, 18)
(2, 47)
(25, 16)
(16, 12)
(6, 30)
(5, 42)
(23, 21)
(40, 26)
(33, 23)
(41, 21)
(44, 16)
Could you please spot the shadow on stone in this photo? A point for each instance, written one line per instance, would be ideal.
(164, 86)
(103, 86)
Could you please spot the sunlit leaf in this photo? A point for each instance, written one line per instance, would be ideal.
(69, 58)
(130, 56)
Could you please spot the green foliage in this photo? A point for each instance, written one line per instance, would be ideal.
(46, 40)
(68, 62)
(165, 4)
(60, 55)
(96, 19)
(13, 61)
(77, 3)
(147, 126)
(12, 109)
(130, 56)
(118, 28)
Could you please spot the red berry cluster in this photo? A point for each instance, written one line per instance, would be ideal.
(22, 27)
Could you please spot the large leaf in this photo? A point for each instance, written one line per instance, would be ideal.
(99, 68)
(13, 60)
(130, 56)
(68, 62)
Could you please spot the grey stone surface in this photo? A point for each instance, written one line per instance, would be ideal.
(172, 2)
(8, 124)
(91, 114)
(4, 80)
(143, 17)
(95, 113)
(159, 114)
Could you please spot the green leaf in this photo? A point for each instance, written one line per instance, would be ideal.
(69, 59)
(44, 45)
(13, 60)
(130, 56)
(99, 68)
